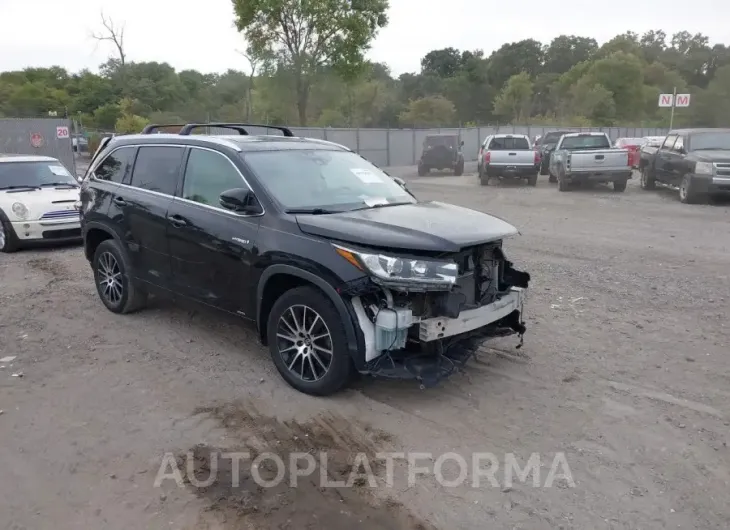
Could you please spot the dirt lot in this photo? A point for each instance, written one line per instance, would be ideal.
(625, 369)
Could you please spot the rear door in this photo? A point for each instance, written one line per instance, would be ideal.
(141, 204)
(211, 248)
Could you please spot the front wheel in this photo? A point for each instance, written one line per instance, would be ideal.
(687, 193)
(647, 181)
(8, 239)
(543, 168)
(307, 342)
(422, 170)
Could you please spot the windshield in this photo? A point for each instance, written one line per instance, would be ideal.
(507, 143)
(433, 141)
(552, 138)
(709, 140)
(34, 174)
(586, 142)
(331, 180)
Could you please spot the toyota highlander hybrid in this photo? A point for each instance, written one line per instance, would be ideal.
(339, 266)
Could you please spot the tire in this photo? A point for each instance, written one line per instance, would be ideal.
(8, 239)
(422, 171)
(563, 185)
(484, 180)
(122, 296)
(552, 179)
(687, 195)
(459, 169)
(647, 180)
(543, 169)
(305, 360)
(532, 180)
(619, 185)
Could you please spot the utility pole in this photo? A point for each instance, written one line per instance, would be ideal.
(674, 105)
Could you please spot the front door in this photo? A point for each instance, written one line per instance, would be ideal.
(211, 248)
(662, 162)
(141, 205)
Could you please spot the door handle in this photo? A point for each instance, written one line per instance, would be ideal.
(177, 221)
(119, 201)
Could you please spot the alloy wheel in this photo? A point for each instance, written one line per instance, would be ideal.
(110, 278)
(683, 189)
(304, 343)
(2, 236)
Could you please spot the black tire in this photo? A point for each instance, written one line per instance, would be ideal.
(647, 179)
(552, 179)
(422, 170)
(484, 180)
(459, 169)
(532, 180)
(563, 185)
(340, 369)
(132, 297)
(543, 169)
(687, 193)
(619, 185)
(9, 242)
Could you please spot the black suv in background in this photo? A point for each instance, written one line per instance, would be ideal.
(546, 147)
(341, 269)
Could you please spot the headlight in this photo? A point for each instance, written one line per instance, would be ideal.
(404, 273)
(703, 168)
(20, 210)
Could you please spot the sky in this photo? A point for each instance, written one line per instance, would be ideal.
(191, 34)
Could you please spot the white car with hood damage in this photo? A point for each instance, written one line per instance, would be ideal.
(38, 202)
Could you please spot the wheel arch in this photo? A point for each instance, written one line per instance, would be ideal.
(94, 235)
(280, 278)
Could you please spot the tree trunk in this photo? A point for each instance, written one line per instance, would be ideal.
(302, 100)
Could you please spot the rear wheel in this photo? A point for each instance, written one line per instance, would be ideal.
(113, 278)
(459, 169)
(532, 180)
(307, 342)
(647, 180)
(422, 170)
(543, 168)
(484, 179)
(619, 185)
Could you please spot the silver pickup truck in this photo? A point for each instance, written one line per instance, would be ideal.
(589, 157)
(507, 156)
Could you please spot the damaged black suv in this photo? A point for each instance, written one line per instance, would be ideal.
(341, 269)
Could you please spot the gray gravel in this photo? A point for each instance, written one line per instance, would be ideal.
(624, 369)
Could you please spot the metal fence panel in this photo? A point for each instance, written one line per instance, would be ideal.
(37, 137)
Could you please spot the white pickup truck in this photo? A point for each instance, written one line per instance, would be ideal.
(507, 156)
(589, 157)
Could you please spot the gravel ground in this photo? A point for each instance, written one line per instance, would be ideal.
(624, 369)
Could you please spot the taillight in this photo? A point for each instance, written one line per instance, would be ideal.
(487, 157)
(537, 157)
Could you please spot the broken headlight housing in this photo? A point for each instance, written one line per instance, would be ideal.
(408, 274)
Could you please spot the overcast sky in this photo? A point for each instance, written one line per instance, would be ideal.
(200, 35)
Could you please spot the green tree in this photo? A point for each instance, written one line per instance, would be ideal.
(514, 101)
(442, 63)
(306, 35)
(621, 74)
(431, 111)
(566, 51)
(511, 59)
(130, 124)
(594, 101)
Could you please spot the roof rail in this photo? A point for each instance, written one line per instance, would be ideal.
(155, 127)
(187, 129)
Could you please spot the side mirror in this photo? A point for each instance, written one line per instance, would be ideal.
(240, 200)
(462, 143)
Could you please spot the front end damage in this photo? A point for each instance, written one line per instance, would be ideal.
(426, 330)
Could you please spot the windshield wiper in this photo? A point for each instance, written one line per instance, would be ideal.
(24, 187)
(50, 184)
(382, 205)
(311, 211)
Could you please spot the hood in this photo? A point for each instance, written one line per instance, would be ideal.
(712, 155)
(40, 201)
(426, 226)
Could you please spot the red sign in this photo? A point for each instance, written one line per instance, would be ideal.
(36, 140)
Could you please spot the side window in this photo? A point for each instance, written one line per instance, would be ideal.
(678, 145)
(207, 175)
(114, 166)
(157, 169)
(669, 142)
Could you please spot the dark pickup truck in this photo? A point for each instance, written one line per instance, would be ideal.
(695, 162)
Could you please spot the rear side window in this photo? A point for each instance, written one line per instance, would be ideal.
(114, 166)
(505, 144)
(157, 169)
(586, 142)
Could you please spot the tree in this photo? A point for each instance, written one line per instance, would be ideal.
(511, 59)
(621, 74)
(566, 51)
(431, 111)
(594, 101)
(306, 35)
(514, 101)
(442, 63)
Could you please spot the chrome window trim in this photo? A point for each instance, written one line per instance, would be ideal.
(180, 199)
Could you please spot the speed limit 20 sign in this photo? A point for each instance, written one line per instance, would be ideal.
(62, 132)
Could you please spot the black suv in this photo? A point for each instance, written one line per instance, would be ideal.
(441, 151)
(342, 270)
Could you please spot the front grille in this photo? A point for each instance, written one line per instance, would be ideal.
(62, 234)
(722, 169)
(60, 214)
